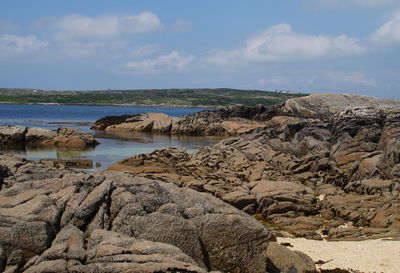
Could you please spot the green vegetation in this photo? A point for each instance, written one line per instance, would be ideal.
(266, 223)
(154, 97)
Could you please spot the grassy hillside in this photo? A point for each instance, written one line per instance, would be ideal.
(156, 97)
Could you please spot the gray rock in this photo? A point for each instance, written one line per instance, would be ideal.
(321, 145)
(282, 260)
(326, 105)
(12, 134)
(3, 260)
(277, 197)
(157, 216)
(63, 136)
(49, 217)
(239, 199)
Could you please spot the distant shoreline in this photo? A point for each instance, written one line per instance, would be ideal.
(162, 98)
(110, 104)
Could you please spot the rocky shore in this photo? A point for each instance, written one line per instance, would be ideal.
(55, 220)
(226, 121)
(321, 166)
(238, 119)
(62, 137)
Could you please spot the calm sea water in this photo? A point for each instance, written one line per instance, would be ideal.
(113, 147)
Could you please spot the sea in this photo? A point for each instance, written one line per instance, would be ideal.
(113, 146)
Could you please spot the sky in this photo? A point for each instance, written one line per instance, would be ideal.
(313, 46)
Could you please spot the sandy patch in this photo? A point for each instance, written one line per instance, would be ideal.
(365, 256)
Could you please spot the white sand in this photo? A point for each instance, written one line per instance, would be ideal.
(367, 256)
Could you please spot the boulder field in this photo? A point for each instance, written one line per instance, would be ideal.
(53, 219)
(62, 137)
(321, 166)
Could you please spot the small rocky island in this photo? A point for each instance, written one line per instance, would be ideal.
(319, 167)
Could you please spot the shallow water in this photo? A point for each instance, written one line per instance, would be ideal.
(113, 146)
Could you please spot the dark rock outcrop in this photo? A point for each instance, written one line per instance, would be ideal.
(103, 123)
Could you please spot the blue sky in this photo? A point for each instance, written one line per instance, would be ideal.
(316, 46)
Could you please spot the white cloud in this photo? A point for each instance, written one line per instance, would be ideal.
(103, 35)
(389, 33)
(280, 44)
(173, 61)
(143, 51)
(105, 49)
(12, 45)
(143, 22)
(74, 26)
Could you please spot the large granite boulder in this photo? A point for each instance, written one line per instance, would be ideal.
(326, 105)
(109, 252)
(147, 122)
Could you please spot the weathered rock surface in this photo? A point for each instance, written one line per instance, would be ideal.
(56, 220)
(109, 252)
(225, 121)
(326, 105)
(149, 122)
(12, 134)
(63, 136)
(78, 163)
(283, 260)
(240, 119)
(306, 172)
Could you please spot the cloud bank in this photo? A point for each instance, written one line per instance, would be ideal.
(388, 33)
(165, 63)
(75, 26)
(13, 45)
(280, 44)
